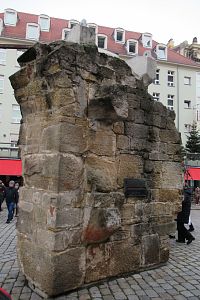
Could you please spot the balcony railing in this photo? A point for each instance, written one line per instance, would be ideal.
(9, 151)
(192, 159)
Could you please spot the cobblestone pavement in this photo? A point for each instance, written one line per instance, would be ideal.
(179, 279)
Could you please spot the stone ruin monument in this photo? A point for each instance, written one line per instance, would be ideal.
(101, 168)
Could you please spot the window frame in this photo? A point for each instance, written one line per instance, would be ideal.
(14, 12)
(172, 74)
(48, 20)
(14, 137)
(93, 25)
(63, 32)
(16, 120)
(1, 110)
(170, 98)
(72, 22)
(123, 35)
(17, 56)
(105, 42)
(156, 96)
(1, 25)
(188, 77)
(3, 61)
(187, 128)
(144, 35)
(32, 25)
(157, 81)
(128, 45)
(164, 47)
(2, 78)
(189, 104)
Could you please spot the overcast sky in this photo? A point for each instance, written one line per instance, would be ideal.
(165, 19)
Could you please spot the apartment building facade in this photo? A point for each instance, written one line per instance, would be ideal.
(175, 85)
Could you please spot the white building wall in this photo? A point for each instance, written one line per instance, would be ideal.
(8, 128)
(180, 91)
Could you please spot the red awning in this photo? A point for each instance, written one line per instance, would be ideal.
(12, 167)
(192, 174)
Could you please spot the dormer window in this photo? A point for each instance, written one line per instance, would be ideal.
(44, 22)
(72, 23)
(1, 26)
(132, 47)
(32, 31)
(119, 35)
(161, 51)
(65, 33)
(102, 41)
(147, 40)
(92, 25)
(10, 17)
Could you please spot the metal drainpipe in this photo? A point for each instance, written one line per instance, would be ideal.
(178, 102)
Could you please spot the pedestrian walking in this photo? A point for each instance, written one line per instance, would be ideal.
(197, 195)
(11, 196)
(2, 194)
(183, 218)
(16, 209)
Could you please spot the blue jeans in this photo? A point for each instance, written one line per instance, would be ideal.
(10, 207)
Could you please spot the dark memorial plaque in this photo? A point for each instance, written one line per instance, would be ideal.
(135, 187)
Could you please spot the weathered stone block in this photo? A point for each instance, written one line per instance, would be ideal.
(102, 142)
(102, 224)
(151, 249)
(139, 131)
(129, 166)
(101, 173)
(115, 259)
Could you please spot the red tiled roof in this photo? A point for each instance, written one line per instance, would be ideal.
(19, 31)
(55, 33)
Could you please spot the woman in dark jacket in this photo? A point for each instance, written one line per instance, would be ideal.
(183, 218)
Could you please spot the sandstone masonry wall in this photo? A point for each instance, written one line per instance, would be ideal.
(88, 124)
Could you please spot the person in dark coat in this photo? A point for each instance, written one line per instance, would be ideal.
(17, 200)
(11, 196)
(2, 194)
(183, 218)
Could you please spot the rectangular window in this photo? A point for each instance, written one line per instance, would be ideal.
(170, 102)
(157, 79)
(1, 84)
(188, 128)
(10, 17)
(132, 47)
(162, 52)
(119, 36)
(0, 112)
(156, 96)
(14, 140)
(101, 42)
(44, 23)
(65, 33)
(2, 56)
(187, 80)
(32, 32)
(16, 114)
(187, 104)
(18, 54)
(170, 78)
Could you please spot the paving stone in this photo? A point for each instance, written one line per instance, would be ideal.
(178, 280)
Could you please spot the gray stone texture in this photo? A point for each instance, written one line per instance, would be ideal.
(88, 123)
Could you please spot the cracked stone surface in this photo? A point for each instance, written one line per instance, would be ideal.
(88, 126)
(179, 279)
